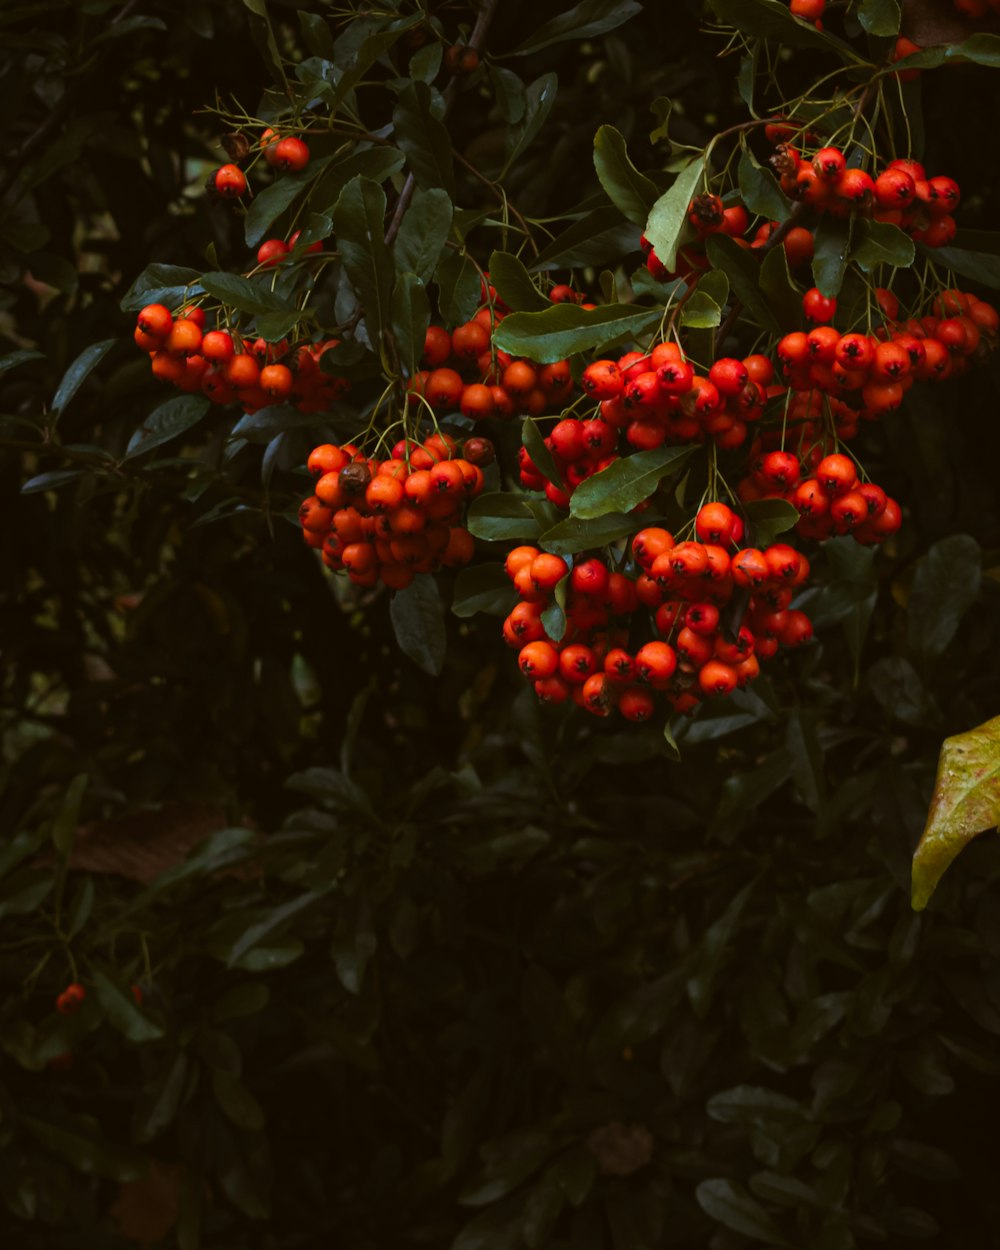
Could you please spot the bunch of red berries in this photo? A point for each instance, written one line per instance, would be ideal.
(230, 369)
(71, 999)
(386, 521)
(286, 153)
(977, 8)
(696, 651)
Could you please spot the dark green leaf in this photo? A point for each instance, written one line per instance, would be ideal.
(161, 284)
(483, 588)
(743, 271)
(778, 288)
(424, 232)
(275, 326)
(806, 754)
(510, 1162)
(772, 20)
(753, 1104)
(68, 816)
(565, 329)
(359, 219)
(84, 1149)
(245, 294)
(628, 190)
(378, 164)
(668, 216)
(459, 287)
(353, 951)
(270, 203)
(509, 92)
(700, 311)
(12, 359)
(514, 285)
(364, 57)
(554, 616)
(540, 455)
(879, 243)
(849, 595)
(242, 1001)
(767, 518)
(24, 891)
(832, 249)
(945, 586)
(880, 17)
(167, 421)
(733, 1207)
(582, 21)
(52, 480)
(539, 98)
(978, 266)
(573, 535)
(411, 315)
(981, 49)
(425, 64)
(627, 482)
(77, 373)
(268, 926)
(160, 1098)
(418, 621)
(316, 35)
(600, 236)
(759, 190)
(502, 516)
(424, 138)
(122, 1010)
(240, 1106)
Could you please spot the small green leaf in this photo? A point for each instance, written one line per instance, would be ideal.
(411, 315)
(554, 616)
(459, 287)
(12, 359)
(271, 923)
(880, 243)
(945, 586)
(981, 49)
(743, 271)
(80, 1145)
(767, 518)
(160, 1099)
(418, 621)
(565, 329)
(731, 1205)
(582, 21)
(626, 482)
(759, 190)
(77, 373)
(122, 1010)
(668, 216)
(270, 203)
(832, 250)
(161, 284)
(316, 35)
(424, 138)
(778, 287)
(502, 516)
(240, 1106)
(880, 17)
(424, 232)
(540, 455)
(965, 803)
(978, 266)
(52, 480)
(573, 535)
(167, 421)
(483, 588)
(377, 164)
(598, 237)
(628, 190)
(539, 97)
(514, 285)
(68, 816)
(359, 220)
(700, 311)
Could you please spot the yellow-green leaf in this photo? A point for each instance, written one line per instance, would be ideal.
(966, 802)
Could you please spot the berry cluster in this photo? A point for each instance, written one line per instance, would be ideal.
(230, 369)
(977, 8)
(287, 153)
(463, 370)
(385, 521)
(676, 592)
(71, 999)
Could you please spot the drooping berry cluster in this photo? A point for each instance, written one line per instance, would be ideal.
(231, 369)
(661, 624)
(384, 521)
(285, 153)
(71, 999)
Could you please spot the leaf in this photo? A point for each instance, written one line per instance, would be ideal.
(255, 934)
(668, 216)
(965, 803)
(418, 621)
(945, 586)
(753, 1104)
(161, 284)
(767, 519)
(599, 236)
(880, 243)
(760, 191)
(975, 265)
(483, 588)
(24, 891)
(627, 482)
(539, 97)
(832, 250)
(743, 271)
(459, 287)
(502, 516)
(778, 287)
(369, 51)
(628, 190)
(411, 315)
(554, 616)
(51, 480)
(270, 203)
(245, 294)
(573, 535)
(732, 1206)
(514, 285)
(316, 35)
(11, 360)
(424, 232)
(981, 49)
(275, 326)
(240, 1106)
(378, 164)
(700, 311)
(510, 1162)
(359, 220)
(772, 20)
(540, 455)
(68, 816)
(582, 21)
(167, 421)
(849, 595)
(77, 373)
(351, 953)
(83, 1149)
(880, 17)
(122, 1010)
(424, 138)
(565, 329)
(159, 1099)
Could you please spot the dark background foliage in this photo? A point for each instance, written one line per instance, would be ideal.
(447, 962)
